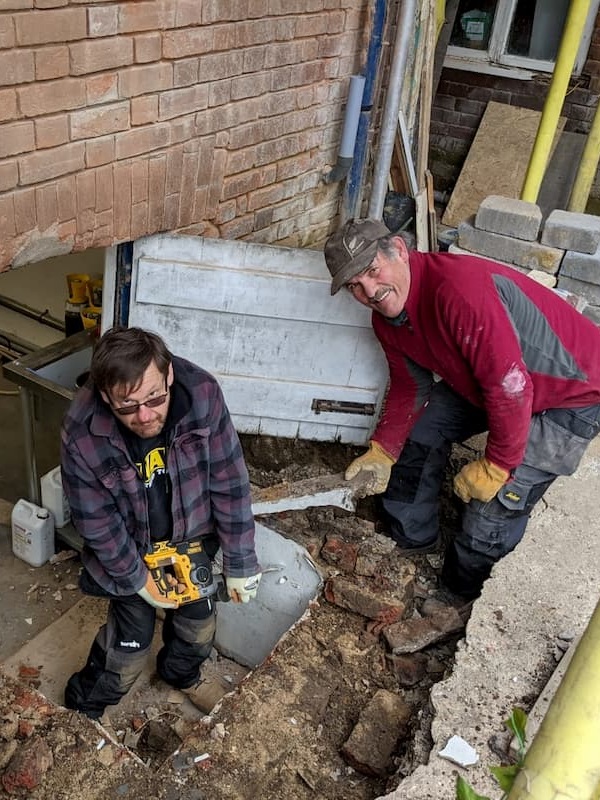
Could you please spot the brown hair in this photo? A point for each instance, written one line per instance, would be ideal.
(123, 355)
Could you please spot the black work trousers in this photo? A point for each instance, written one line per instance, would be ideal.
(557, 440)
(121, 647)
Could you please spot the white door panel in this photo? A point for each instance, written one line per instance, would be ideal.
(292, 360)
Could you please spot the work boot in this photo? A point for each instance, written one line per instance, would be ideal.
(403, 547)
(419, 550)
(463, 604)
(207, 692)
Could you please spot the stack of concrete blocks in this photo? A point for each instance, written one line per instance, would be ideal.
(563, 252)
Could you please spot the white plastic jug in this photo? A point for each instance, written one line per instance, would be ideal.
(32, 533)
(53, 497)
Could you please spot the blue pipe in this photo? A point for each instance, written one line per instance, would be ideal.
(352, 190)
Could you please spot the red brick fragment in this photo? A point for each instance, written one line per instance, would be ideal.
(28, 766)
(25, 671)
(340, 553)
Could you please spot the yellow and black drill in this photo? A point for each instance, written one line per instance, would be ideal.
(183, 572)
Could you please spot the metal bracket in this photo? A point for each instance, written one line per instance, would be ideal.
(342, 407)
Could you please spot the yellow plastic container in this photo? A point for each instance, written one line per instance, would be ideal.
(77, 283)
(91, 317)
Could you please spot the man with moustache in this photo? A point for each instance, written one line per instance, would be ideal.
(149, 453)
(515, 360)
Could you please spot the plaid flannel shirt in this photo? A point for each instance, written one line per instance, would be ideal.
(211, 490)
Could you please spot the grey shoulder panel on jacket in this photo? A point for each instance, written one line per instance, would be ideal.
(543, 352)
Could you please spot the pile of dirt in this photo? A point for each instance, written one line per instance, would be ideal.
(339, 710)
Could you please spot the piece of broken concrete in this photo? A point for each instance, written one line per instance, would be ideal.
(411, 635)
(371, 744)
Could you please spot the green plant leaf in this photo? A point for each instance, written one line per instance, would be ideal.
(505, 776)
(465, 792)
(516, 724)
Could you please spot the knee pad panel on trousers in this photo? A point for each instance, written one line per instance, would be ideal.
(188, 636)
(195, 623)
(104, 680)
(127, 665)
(407, 473)
(411, 526)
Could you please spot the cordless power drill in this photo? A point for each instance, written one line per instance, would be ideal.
(183, 572)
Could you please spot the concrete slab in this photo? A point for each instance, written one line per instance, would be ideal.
(61, 648)
(327, 490)
(548, 585)
(248, 632)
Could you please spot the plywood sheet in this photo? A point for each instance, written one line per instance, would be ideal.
(497, 161)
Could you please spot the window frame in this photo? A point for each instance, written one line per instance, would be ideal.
(495, 61)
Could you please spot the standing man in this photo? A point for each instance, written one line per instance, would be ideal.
(149, 454)
(514, 359)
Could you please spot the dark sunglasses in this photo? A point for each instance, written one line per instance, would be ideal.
(154, 402)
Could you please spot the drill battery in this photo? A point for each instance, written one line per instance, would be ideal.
(183, 572)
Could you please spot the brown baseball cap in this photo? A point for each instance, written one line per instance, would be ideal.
(350, 250)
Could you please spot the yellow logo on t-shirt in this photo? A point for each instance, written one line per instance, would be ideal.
(152, 465)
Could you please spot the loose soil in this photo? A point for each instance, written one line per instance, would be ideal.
(281, 732)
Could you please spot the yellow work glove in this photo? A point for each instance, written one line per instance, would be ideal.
(151, 594)
(242, 590)
(480, 480)
(378, 463)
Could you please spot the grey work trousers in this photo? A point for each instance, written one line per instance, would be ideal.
(557, 440)
(122, 646)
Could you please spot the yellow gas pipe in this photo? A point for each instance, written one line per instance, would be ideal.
(571, 38)
(587, 167)
(563, 761)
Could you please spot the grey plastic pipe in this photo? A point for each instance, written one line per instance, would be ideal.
(346, 151)
(389, 123)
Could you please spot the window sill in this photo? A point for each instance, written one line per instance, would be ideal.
(478, 63)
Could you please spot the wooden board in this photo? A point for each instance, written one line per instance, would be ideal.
(497, 161)
(262, 320)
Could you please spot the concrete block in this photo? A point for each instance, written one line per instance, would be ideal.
(509, 217)
(589, 291)
(582, 266)
(593, 313)
(454, 248)
(544, 278)
(572, 231)
(532, 255)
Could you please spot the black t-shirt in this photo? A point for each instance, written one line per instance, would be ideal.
(150, 458)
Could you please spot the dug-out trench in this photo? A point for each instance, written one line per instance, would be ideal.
(340, 708)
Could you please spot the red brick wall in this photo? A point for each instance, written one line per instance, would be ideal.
(218, 117)
(462, 97)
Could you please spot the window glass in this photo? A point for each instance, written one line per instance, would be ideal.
(522, 36)
(473, 24)
(536, 28)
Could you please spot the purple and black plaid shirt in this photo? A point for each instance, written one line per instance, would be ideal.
(211, 490)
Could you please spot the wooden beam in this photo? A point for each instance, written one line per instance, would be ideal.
(426, 97)
(442, 42)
